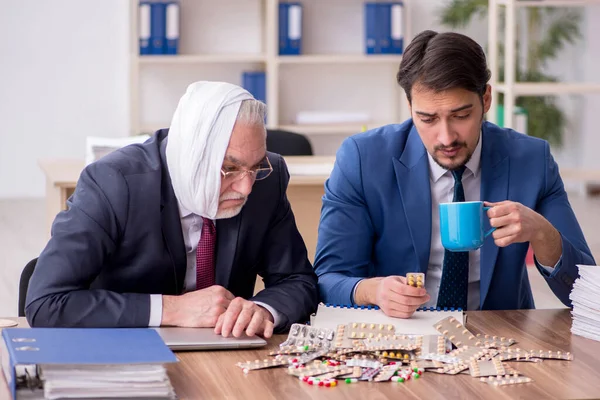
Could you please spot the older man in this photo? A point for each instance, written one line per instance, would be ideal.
(174, 231)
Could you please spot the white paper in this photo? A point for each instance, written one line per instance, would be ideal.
(585, 297)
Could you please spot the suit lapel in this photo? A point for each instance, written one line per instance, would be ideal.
(171, 224)
(227, 237)
(412, 175)
(494, 188)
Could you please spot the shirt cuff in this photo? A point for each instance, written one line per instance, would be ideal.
(155, 310)
(276, 315)
(546, 268)
(354, 293)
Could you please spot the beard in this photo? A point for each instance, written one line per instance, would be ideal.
(231, 211)
(454, 163)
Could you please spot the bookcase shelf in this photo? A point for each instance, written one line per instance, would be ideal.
(510, 87)
(200, 59)
(340, 59)
(219, 40)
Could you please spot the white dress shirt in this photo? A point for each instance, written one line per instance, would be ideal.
(442, 191)
(191, 226)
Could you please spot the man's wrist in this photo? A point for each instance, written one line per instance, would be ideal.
(545, 232)
(169, 311)
(365, 291)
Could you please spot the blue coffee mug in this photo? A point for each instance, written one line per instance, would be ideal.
(461, 225)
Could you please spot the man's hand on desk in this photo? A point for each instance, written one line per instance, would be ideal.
(392, 295)
(197, 309)
(245, 316)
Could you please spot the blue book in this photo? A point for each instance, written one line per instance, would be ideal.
(24, 349)
(172, 27)
(144, 10)
(158, 26)
(290, 28)
(372, 42)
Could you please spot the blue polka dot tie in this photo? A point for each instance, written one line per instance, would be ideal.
(455, 272)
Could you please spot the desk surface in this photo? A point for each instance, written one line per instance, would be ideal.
(65, 172)
(213, 374)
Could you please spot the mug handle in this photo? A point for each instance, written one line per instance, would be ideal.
(488, 233)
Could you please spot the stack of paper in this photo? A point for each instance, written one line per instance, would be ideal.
(586, 302)
(106, 381)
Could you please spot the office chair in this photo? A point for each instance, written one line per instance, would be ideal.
(288, 143)
(24, 284)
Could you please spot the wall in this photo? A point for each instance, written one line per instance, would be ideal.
(64, 76)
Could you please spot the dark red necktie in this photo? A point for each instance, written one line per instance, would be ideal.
(205, 255)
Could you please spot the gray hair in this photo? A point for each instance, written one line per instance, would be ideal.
(252, 112)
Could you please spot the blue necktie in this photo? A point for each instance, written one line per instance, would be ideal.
(455, 271)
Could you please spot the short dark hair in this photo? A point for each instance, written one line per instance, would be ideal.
(442, 61)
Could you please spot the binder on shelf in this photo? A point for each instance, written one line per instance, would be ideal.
(58, 362)
(372, 29)
(396, 32)
(172, 27)
(144, 10)
(256, 83)
(158, 26)
(290, 28)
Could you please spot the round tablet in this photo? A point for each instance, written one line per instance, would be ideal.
(6, 323)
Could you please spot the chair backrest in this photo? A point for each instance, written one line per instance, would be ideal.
(24, 284)
(288, 143)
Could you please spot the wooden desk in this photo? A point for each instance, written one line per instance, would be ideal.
(304, 192)
(213, 374)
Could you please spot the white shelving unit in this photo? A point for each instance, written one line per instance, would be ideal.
(332, 74)
(510, 88)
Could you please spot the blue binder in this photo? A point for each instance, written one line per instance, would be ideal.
(256, 83)
(372, 19)
(172, 27)
(290, 28)
(396, 23)
(144, 12)
(158, 26)
(24, 347)
(384, 18)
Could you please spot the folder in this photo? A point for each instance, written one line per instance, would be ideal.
(172, 27)
(290, 28)
(158, 26)
(384, 21)
(372, 40)
(256, 83)
(26, 352)
(144, 27)
(396, 16)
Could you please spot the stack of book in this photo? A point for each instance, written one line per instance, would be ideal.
(585, 297)
(63, 363)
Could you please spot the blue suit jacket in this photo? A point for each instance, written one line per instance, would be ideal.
(376, 215)
(120, 240)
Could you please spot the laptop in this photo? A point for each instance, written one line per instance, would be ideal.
(205, 339)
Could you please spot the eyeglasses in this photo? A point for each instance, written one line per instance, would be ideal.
(263, 170)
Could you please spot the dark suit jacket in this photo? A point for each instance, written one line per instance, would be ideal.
(120, 240)
(376, 216)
